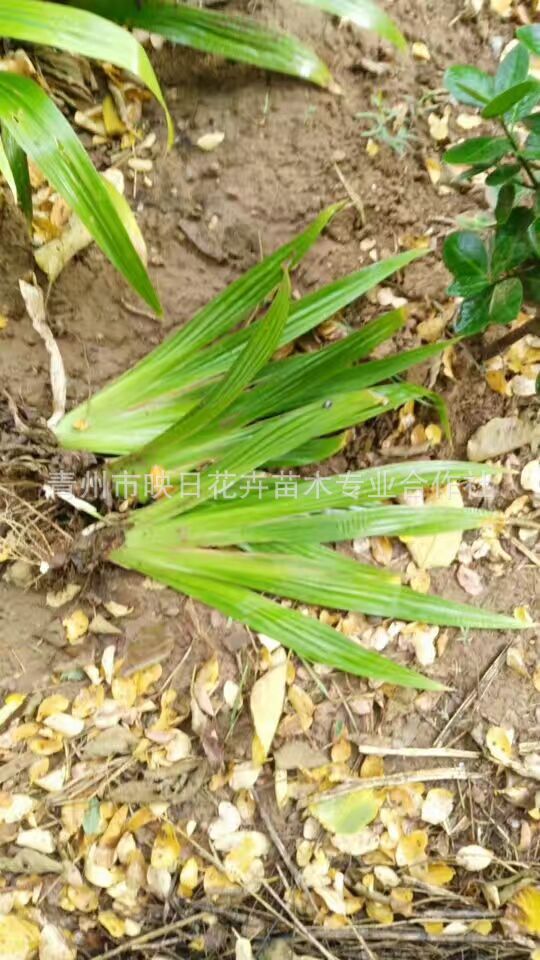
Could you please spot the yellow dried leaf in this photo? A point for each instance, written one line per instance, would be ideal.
(147, 678)
(524, 909)
(217, 884)
(347, 814)
(166, 849)
(19, 939)
(379, 912)
(435, 874)
(483, 927)
(412, 848)
(267, 700)
(401, 901)
(76, 626)
(499, 744)
(113, 124)
(115, 827)
(433, 434)
(124, 691)
(438, 126)
(209, 141)
(497, 382)
(303, 705)
(14, 807)
(88, 701)
(420, 51)
(189, 878)
(12, 703)
(51, 705)
(114, 925)
(433, 928)
(372, 767)
(434, 169)
(502, 7)
(441, 549)
(341, 750)
(46, 746)
(3, 321)
(382, 550)
(372, 148)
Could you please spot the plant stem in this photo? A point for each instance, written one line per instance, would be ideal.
(524, 163)
(532, 327)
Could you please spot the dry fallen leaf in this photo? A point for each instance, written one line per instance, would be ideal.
(530, 476)
(54, 945)
(420, 51)
(474, 858)
(19, 938)
(441, 549)
(209, 141)
(524, 909)
(499, 744)
(267, 700)
(61, 597)
(35, 305)
(469, 580)
(349, 813)
(437, 806)
(76, 626)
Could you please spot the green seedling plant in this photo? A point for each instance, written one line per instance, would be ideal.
(214, 413)
(32, 125)
(389, 126)
(497, 269)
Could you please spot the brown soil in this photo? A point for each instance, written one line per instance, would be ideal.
(274, 171)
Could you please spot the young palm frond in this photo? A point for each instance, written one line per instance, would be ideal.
(210, 412)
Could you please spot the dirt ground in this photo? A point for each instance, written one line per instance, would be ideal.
(206, 218)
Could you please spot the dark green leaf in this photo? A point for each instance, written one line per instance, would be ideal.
(504, 101)
(469, 85)
(474, 315)
(506, 301)
(466, 257)
(505, 202)
(513, 69)
(217, 33)
(486, 150)
(18, 163)
(530, 36)
(534, 235)
(503, 174)
(512, 245)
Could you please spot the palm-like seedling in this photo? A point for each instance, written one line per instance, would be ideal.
(210, 413)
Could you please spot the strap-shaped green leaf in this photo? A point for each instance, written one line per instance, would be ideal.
(16, 172)
(233, 37)
(77, 31)
(44, 134)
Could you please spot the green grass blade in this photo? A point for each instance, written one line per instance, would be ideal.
(232, 37)
(44, 134)
(14, 166)
(307, 637)
(314, 451)
(279, 499)
(77, 31)
(320, 580)
(347, 525)
(365, 14)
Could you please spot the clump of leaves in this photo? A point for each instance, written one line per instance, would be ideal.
(498, 270)
(212, 411)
